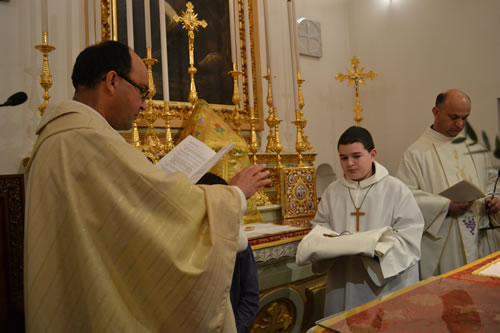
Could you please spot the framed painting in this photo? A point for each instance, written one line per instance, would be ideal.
(216, 47)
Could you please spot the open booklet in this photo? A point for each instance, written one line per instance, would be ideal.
(192, 157)
(463, 191)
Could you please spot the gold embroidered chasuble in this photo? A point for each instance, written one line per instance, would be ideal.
(429, 166)
(205, 125)
(112, 243)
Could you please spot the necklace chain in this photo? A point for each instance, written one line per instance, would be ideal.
(366, 194)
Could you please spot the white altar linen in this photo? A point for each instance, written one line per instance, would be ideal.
(491, 270)
(319, 244)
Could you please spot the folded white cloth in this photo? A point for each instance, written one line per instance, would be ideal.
(322, 244)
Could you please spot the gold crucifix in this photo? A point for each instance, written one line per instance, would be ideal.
(191, 23)
(357, 213)
(356, 76)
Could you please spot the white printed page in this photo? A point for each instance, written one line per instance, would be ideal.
(188, 156)
(212, 161)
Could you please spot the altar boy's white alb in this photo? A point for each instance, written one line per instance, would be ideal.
(373, 217)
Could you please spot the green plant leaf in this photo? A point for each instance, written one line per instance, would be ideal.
(459, 140)
(469, 131)
(496, 152)
(486, 140)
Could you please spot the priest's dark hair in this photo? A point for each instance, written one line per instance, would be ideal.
(357, 134)
(94, 62)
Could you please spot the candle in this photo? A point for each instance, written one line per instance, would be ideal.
(130, 24)
(295, 36)
(45, 17)
(164, 53)
(266, 30)
(248, 56)
(268, 45)
(91, 24)
(147, 22)
(232, 33)
(293, 46)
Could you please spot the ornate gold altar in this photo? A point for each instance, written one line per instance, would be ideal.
(291, 296)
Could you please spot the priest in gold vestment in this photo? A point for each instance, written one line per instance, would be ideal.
(112, 243)
(434, 163)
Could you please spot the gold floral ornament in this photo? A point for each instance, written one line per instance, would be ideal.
(208, 127)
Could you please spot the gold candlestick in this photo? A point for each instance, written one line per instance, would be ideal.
(356, 76)
(300, 122)
(152, 143)
(269, 119)
(253, 147)
(261, 198)
(45, 76)
(169, 142)
(191, 23)
(273, 139)
(237, 118)
(308, 146)
(278, 148)
(136, 140)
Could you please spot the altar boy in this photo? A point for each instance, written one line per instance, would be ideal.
(367, 230)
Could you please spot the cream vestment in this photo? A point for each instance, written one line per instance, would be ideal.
(113, 244)
(431, 165)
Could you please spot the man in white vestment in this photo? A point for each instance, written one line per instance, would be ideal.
(113, 243)
(434, 163)
(367, 230)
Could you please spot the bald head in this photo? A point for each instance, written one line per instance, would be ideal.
(450, 112)
(452, 94)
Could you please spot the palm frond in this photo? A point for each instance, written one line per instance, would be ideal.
(469, 132)
(486, 140)
(459, 140)
(496, 152)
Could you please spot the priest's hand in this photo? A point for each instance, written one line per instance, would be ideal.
(250, 179)
(456, 209)
(493, 205)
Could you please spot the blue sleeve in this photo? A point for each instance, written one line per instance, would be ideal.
(245, 290)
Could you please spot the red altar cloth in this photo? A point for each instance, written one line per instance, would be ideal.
(457, 301)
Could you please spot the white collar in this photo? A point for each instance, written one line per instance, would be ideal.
(379, 174)
(435, 135)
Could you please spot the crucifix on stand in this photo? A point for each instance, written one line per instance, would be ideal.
(191, 23)
(356, 76)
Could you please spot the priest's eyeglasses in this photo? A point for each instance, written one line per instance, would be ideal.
(143, 90)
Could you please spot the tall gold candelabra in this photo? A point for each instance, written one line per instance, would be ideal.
(308, 146)
(136, 140)
(356, 76)
(45, 76)
(300, 122)
(261, 198)
(269, 120)
(253, 147)
(191, 23)
(237, 118)
(152, 145)
(167, 116)
(273, 139)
